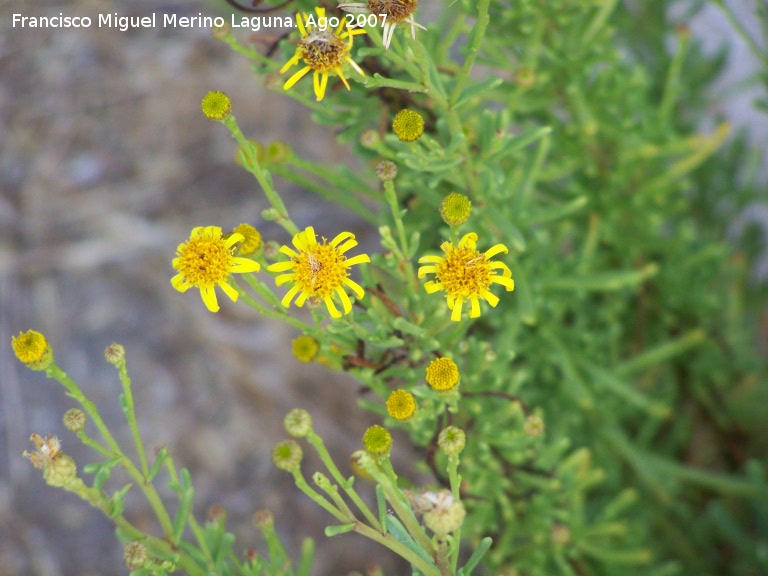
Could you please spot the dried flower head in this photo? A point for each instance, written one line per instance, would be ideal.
(401, 405)
(74, 419)
(216, 106)
(533, 426)
(320, 271)
(386, 170)
(442, 374)
(206, 261)
(135, 555)
(115, 354)
(396, 11)
(323, 51)
(47, 450)
(408, 125)
(466, 274)
(455, 209)
(33, 350)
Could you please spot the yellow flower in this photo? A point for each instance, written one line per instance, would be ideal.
(401, 405)
(216, 106)
(252, 241)
(206, 261)
(319, 270)
(396, 11)
(466, 274)
(442, 374)
(408, 125)
(323, 51)
(305, 348)
(32, 349)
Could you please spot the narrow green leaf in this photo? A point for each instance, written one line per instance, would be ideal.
(158, 464)
(307, 557)
(603, 281)
(556, 213)
(399, 533)
(339, 529)
(477, 89)
(185, 508)
(477, 555)
(516, 143)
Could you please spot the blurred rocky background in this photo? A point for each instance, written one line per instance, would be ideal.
(106, 164)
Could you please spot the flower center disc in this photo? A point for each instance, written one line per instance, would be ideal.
(320, 271)
(396, 10)
(322, 50)
(204, 261)
(465, 273)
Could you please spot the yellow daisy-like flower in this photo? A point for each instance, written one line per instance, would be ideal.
(442, 374)
(466, 274)
(401, 405)
(33, 349)
(408, 125)
(323, 50)
(305, 348)
(319, 270)
(206, 261)
(377, 441)
(252, 241)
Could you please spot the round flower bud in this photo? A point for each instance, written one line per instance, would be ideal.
(442, 374)
(443, 520)
(408, 125)
(298, 423)
(401, 405)
(221, 32)
(278, 152)
(252, 241)
(455, 209)
(369, 138)
(305, 348)
(533, 426)
(271, 249)
(135, 555)
(287, 455)
(264, 519)
(560, 534)
(525, 77)
(217, 514)
(386, 170)
(216, 106)
(377, 441)
(358, 461)
(33, 350)
(115, 354)
(452, 440)
(74, 420)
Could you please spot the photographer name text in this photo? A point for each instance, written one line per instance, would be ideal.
(125, 23)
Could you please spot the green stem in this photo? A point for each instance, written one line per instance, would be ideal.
(317, 498)
(130, 415)
(399, 504)
(455, 482)
(398, 548)
(319, 446)
(741, 31)
(410, 277)
(193, 524)
(473, 47)
(149, 491)
(253, 166)
(91, 443)
(268, 312)
(672, 82)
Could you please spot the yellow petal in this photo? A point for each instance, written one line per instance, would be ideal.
(456, 314)
(431, 287)
(431, 259)
(468, 241)
(296, 77)
(282, 266)
(474, 311)
(301, 299)
(229, 291)
(345, 301)
(491, 298)
(180, 283)
(283, 278)
(233, 239)
(356, 288)
(286, 301)
(493, 250)
(424, 270)
(359, 259)
(341, 75)
(288, 252)
(332, 307)
(349, 244)
(209, 298)
(341, 237)
(508, 283)
(242, 265)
